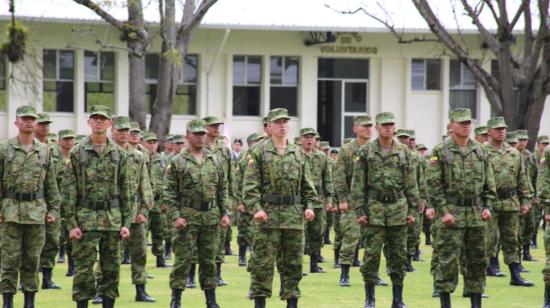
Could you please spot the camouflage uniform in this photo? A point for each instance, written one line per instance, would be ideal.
(278, 185)
(538, 208)
(28, 192)
(543, 193)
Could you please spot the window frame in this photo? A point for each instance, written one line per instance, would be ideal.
(296, 85)
(247, 84)
(58, 76)
(101, 82)
(463, 87)
(425, 75)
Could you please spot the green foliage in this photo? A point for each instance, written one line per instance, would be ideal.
(14, 47)
(174, 56)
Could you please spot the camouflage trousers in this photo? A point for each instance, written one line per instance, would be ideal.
(434, 230)
(21, 247)
(51, 245)
(351, 233)
(451, 242)
(395, 239)
(244, 228)
(503, 226)
(526, 228)
(85, 251)
(337, 243)
(157, 226)
(204, 241)
(412, 235)
(546, 270)
(283, 246)
(538, 212)
(137, 248)
(220, 257)
(315, 231)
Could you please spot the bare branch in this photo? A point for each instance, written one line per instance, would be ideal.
(519, 12)
(487, 36)
(188, 25)
(102, 13)
(492, 9)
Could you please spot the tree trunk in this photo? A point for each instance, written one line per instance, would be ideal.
(136, 80)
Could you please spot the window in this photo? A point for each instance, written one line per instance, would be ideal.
(3, 84)
(343, 68)
(247, 75)
(426, 74)
(185, 101)
(58, 80)
(462, 93)
(284, 84)
(99, 79)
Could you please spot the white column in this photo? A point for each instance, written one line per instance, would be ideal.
(445, 95)
(80, 112)
(122, 86)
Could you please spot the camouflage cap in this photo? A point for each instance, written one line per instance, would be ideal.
(297, 141)
(511, 137)
(421, 146)
(277, 113)
(169, 138)
(134, 127)
(460, 115)
(308, 131)
(254, 137)
(79, 137)
(543, 139)
(385, 118)
(148, 136)
(522, 134)
(265, 121)
(412, 133)
(403, 133)
(362, 120)
(347, 140)
(26, 111)
(212, 120)
(317, 136)
(100, 110)
(43, 118)
(481, 130)
(325, 145)
(66, 133)
(196, 126)
(496, 122)
(179, 139)
(121, 122)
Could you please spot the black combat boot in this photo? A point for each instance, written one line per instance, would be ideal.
(210, 295)
(344, 275)
(527, 254)
(356, 262)
(242, 255)
(292, 303)
(493, 270)
(320, 258)
(126, 258)
(336, 258)
(167, 250)
(428, 235)
(82, 304)
(313, 267)
(61, 257)
(47, 282)
(515, 277)
(468, 294)
(98, 299)
(176, 298)
(369, 296)
(70, 266)
(475, 300)
(497, 267)
(227, 248)
(546, 297)
(327, 237)
(141, 295)
(161, 263)
(380, 282)
(191, 277)
(221, 282)
(259, 302)
(397, 302)
(534, 239)
(409, 268)
(417, 253)
(108, 302)
(445, 299)
(8, 300)
(29, 299)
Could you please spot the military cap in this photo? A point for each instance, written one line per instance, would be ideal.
(265, 120)
(421, 146)
(66, 133)
(362, 120)
(148, 136)
(334, 150)
(26, 111)
(51, 136)
(179, 139)
(169, 138)
(325, 145)
(496, 122)
(412, 133)
(317, 136)
(460, 115)
(522, 134)
(511, 137)
(385, 118)
(212, 120)
(80, 137)
(347, 140)
(121, 122)
(277, 113)
(297, 141)
(254, 137)
(403, 133)
(134, 127)
(43, 118)
(196, 126)
(543, 139)
(100, 110)
(481, 130)
(308, 131)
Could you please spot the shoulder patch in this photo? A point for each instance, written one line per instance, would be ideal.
(434, 160)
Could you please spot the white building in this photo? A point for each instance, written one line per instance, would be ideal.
(249, 56)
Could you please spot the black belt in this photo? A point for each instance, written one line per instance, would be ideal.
(504, 194)
(281, 199)
(385, 197)
(98, 205)
(24, 196)
(203, 206)
(463, 201)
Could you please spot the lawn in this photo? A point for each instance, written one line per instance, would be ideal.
(319, 290)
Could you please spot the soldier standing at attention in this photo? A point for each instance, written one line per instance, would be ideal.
(461, 189)
(278, 193)
(481, 134)
(543, 194)
(542, 143)
(99, 215)
(29, 198)
(195, 191)
(384, 195)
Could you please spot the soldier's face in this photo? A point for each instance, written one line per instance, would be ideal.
(412, 143)
(422, 152)
(152, 146)
(404, 140)
(363, 131)
(308, 141)
(26, 125)
(42, 129)
(169, 146)
(386, 130)
(522, 144)
(462, 129)
(99, 124)
(542, 146)
(279, 128)
(482, 138)
(497, 134)
(196, 140)
(213, 130)
(66, 143)
(334, 156)
(120, 135)
(134, 137)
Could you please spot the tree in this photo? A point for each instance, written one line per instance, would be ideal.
(519, 90)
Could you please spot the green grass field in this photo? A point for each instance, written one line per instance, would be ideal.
(318, 290)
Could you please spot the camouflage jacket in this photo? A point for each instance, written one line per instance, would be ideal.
(101, 195)
(223, 154)
(343, 170)
(157, 167)
(27, 173)
(63, 177)
(460, 183)
(418, 162)
(543, 181)
(278, 185)
(510, 175)
(530, 164)
(140, 183)
(196, 191)
(384, 186)
(240, 167)
(320, 173)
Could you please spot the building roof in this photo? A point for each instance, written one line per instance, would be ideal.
(290, 15)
